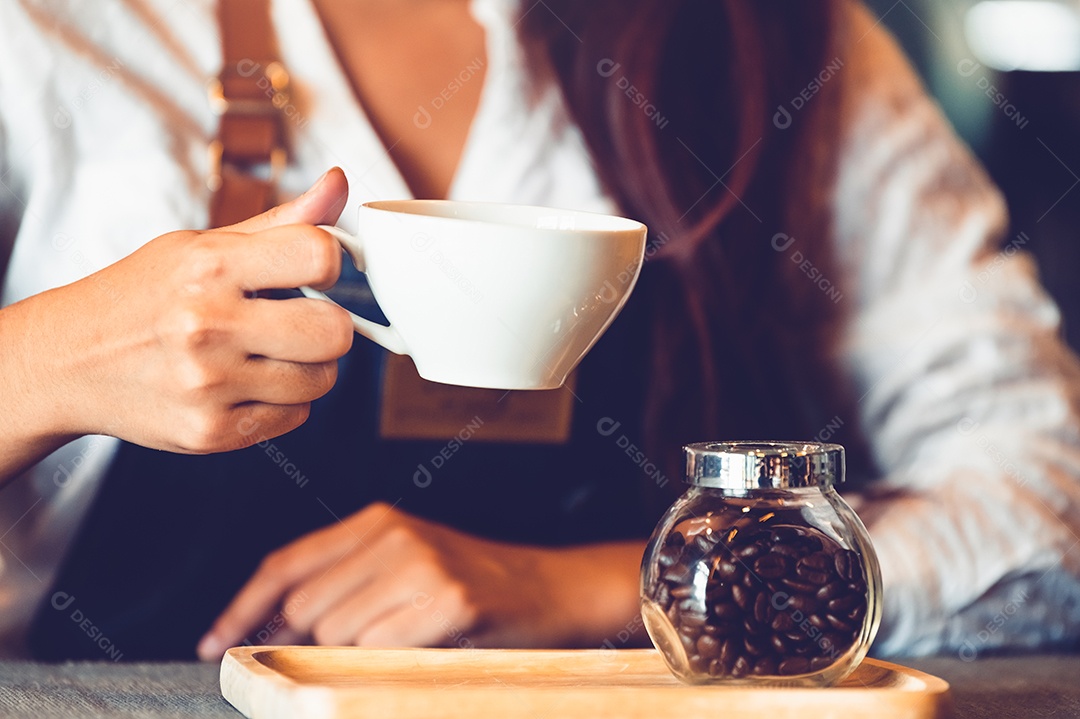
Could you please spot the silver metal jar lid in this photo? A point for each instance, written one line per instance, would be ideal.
(764, 465)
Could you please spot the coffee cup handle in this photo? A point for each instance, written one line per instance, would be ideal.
(388, 337)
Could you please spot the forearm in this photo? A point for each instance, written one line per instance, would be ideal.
(957, 555)
(597, 587)
(32, 389)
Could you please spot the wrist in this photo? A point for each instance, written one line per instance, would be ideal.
(596, 591)
(38, 399)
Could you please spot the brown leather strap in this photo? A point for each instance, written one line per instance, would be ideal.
(248, 96)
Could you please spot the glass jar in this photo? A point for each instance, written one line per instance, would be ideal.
(761, 573)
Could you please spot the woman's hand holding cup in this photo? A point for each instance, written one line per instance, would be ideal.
(172, 347)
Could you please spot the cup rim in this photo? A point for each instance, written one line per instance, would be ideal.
(619, 224)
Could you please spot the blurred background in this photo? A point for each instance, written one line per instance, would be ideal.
(1007, 73)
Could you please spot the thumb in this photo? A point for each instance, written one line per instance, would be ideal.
(321, 204)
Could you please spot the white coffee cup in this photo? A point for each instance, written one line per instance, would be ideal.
(492, 295)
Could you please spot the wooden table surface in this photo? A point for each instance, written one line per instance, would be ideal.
(1028, 687)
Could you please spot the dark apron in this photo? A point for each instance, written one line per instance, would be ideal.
(171, 538)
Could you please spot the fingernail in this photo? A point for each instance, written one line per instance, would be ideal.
(210, 647)
(318, 182)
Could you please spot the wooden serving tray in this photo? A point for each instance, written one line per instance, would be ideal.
(353, 683)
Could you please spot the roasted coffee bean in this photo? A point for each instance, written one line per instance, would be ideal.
(682, 591)
(688, 605)
(814, 568)
(783, 623)
(718, 590)
(726, 570)
(673, 615)
(719, 630)
(750, 626)
(847, 565)
(698, 664)
(727, 612)
(772, 566)
(833, 642)
(831, 591)
(804, 603)
(794, 665)
(693, 620)
(843, 605)
(763, 609)
(789, 551)
(705, 542)
(840, 625)
(668, 556)
(677, 574)
(781, 600)
(765, 667)
(742, 596)
(708, 647)
(757, 645)
(782, 645)
(799, 585)
(749, 552)
(797, 637)
(730, 650)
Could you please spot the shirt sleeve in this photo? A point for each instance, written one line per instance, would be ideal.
(969, 398)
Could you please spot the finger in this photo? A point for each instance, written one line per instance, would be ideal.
(274, 578)
(273, 635)
(274, 382)
(295, 330)
(351, 618)
(281, 257)
(358, 564)
(396, 570)
(320, 205)
(413, 625)
(316, 596)
(240, 427)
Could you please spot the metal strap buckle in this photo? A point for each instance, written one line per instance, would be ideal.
(253, 90)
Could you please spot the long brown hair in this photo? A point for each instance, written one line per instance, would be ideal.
(695, 112)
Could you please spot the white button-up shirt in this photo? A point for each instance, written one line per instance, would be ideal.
(968, 396)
